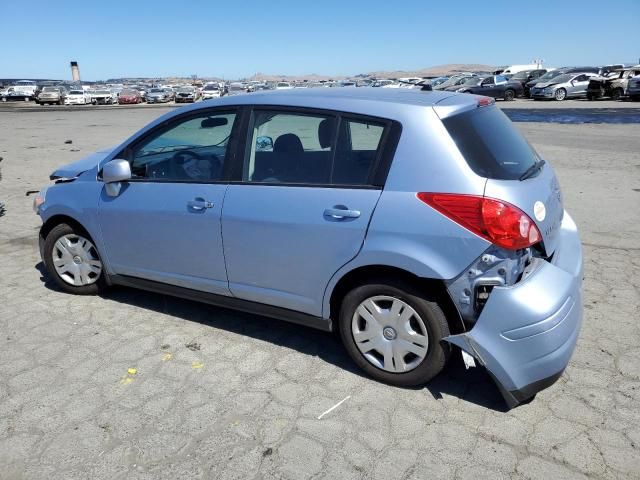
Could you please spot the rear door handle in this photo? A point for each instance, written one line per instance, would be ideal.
(340, 212)
(199, 204)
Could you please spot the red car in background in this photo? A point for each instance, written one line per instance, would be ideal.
(129, 96)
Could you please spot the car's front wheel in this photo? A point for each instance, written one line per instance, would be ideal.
(394, 332)
(560, 94)
(509, 95)
(73, 260)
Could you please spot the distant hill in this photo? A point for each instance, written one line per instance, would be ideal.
(437, 70)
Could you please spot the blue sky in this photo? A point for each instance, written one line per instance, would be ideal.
(238, 38)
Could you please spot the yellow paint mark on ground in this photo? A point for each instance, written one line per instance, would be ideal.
(129, 376)
(197, 365)
(167, 356)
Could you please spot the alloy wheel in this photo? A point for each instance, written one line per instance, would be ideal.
(390, 334)
(76, 260)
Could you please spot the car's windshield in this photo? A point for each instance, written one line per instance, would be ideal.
(471, 81)
(76, 92)
(128, 92)
(490, 143)
(102, 92)
(208, 88)
(50, 89)
(156, 90)
(283, 84)
(520, 76)
(564, 77)
(185, 89)
(549, 75)
(451, 81)
(236, 88)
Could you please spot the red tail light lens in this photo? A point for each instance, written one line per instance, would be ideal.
(494, 220)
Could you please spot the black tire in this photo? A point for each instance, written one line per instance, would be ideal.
(438, 352)
(560, 94)
(590, 97)
(617, 94)
(54, 235)
(509, 95)
(60, 102)
(635, 98)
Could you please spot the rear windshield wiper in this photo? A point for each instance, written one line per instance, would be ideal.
(532, 170)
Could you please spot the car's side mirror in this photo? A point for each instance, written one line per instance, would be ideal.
(113, 173)
(264, 144)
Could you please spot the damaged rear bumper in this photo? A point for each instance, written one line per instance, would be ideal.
(527, 332)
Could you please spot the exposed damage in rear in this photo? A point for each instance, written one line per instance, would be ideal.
(521, 299)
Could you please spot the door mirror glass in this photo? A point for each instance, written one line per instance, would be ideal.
(264, 143)
(117, 170)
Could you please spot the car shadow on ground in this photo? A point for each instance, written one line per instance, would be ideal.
(474, 385)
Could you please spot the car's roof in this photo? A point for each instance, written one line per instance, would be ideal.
(313, 96)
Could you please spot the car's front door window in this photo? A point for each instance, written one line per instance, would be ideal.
(191, 149)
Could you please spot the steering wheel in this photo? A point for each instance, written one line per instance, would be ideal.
(182, 166)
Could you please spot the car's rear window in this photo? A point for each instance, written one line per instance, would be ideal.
(490, 143)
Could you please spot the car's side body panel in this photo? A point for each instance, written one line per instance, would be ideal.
(280, 246)
(151, 230)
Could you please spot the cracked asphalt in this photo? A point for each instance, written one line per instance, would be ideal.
(134, 385)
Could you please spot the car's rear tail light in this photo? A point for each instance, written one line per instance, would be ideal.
(485, 101)
(497, 221)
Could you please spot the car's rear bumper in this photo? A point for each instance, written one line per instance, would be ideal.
(527, 332)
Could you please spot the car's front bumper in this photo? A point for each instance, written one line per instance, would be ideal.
(75, 101)
(527, 332)
(541, 93)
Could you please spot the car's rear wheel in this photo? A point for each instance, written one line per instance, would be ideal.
(617, 94)
(509, 95)
(73, 261)
(394, 332)
(560, 94)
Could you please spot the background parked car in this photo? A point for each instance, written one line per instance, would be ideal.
(453, 81)
(129, 96)
(568, 85)
(527, 76)
(613, 86)
(633, 88)
(550, 75)
(210, 91)
(158, 95)
(187, 94)
(51, 95)
(236, 88)
(496, 86)
(78, 97)
(103, 97)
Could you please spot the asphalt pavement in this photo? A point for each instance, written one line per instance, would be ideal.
(137, 385)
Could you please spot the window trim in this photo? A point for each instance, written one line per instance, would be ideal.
(125, 152)
(382, 163)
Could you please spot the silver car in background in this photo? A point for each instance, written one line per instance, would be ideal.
(568, 85)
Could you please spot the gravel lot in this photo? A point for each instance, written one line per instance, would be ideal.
(221, 394)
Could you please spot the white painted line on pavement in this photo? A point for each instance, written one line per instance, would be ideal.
(335, 406)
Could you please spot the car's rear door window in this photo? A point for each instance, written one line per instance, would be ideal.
(490, 143)
(312, 149)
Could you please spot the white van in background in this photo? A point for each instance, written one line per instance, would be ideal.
(513, 69)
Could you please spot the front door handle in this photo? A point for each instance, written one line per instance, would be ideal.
(199, 204)
(340, 212)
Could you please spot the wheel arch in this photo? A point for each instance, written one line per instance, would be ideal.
(56, 220)
(362, 274)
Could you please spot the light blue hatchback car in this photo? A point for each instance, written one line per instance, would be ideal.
(414, 223)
